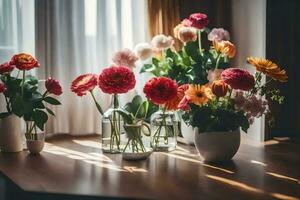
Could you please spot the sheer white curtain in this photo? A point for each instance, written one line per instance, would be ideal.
(80, 36)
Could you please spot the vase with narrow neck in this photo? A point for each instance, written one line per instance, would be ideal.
(35, 138)
(113, 135)
(164, 130)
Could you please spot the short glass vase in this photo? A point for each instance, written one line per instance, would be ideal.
(35, 138)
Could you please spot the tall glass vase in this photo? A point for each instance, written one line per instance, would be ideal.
(113, 134)
(164, 130)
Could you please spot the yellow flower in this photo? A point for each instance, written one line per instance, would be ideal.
(269, 68)
(199, 95)
(225, 47)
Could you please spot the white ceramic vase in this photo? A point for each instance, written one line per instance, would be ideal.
(187, 133)
(11, 134)
(217, 146)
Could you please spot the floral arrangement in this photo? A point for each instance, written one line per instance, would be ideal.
(22, 95)
(212, 96)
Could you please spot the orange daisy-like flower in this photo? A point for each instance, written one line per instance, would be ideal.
(269, 68)
(199, 94)
(173, 104)
(225, 47)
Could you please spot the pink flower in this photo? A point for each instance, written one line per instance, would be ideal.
(53, 86)
(184, 104)
(198, 20)
(2, 88)
(218, 34)
(6, 68)
(214, 75)
(125, 57)
(84, 83)
(187, 34)
(238, 78)
(162, 42)
(143, 50)
(255, 106)
(239, 99)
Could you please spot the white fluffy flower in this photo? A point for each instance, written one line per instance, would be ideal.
(143, 50)
(125, 57)
(162, 42)
(187, 34)
(218, 34)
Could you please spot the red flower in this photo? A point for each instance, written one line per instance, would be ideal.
(6, 68)
(53, 86)
(160, 90)
(24, 61)
(84, 83)
(197, 20)
(238, 78)
(219, 88)
(116, 80)
(2, 88)
(173, 103)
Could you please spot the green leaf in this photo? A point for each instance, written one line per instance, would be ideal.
(147, 68)
(40, 118)
(4, 115)
(192, 49)
(32, 80)
(136, 103)
(50, 111)
(18, 106)
(52, 101)
(127, 117)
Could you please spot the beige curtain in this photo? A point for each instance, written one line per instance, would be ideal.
(163, 17)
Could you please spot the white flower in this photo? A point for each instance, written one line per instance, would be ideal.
(162, 42)
(218, 34)
(187, 34)
(143, 50)
(125, 57)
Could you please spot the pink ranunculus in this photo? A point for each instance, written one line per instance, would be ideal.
(198, 20)
(184, 104)
(187, 34)
(125, 57)
(143, 50)
(214, 75)
(218, 34)
(238, 78)
(162, 42)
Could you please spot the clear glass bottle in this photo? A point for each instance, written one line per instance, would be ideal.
(113, 135)
(164, 130)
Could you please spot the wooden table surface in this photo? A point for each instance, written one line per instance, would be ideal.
(76, 165)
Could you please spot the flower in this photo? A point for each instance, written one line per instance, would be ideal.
(269, 68)
(143, 50)
(197, 20)
(219, 88)
(162, 42)
(84, 83)
(177, 28)
(214, 75)
(125, 57)
(184, 104)
(6, 68)
(173, 103)
(218, 34)
(225, 47)
(160, 90)
(199, 95)
(2, 88)
(238, 78)
(53, 86)
(255, 106)
(116, 80)
(187, 34)
(239, 99)
(24, 61)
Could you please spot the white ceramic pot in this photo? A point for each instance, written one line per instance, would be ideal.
(217, 146)
(11, 134)
(187, 132)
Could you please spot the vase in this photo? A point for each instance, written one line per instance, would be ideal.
(35, 138)
(138, 142)
(11, 134)
(164, 130)
(187, 133)
(217, 146)
(113, 135)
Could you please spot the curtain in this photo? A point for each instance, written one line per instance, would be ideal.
(80, 36)
(163, 17)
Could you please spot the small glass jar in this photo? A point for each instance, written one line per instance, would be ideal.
(113, 135)
(35, 138)
(164, 130)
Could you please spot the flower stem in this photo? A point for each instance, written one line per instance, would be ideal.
(23, 82)
(99, 108)
(218, 61)
(199, 41)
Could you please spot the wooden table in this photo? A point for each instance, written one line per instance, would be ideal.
(76, 166)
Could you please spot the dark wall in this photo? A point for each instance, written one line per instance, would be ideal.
(283, 47)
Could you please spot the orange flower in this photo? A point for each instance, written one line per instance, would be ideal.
(199, 95)
(173, 104)
(225, 47)
(176, 30)
(219, 88)
(269, 68)
(24, 61)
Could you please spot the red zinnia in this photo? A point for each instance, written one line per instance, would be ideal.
(238, 78)
(53, 86)
(6, 68)
(160, 90)
(84, 83)
(2, 88)
(198, 20)
(116, 80)
(24, 61)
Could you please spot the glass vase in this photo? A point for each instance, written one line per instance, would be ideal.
(113, 135)
(35, 138)
(164, 130)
